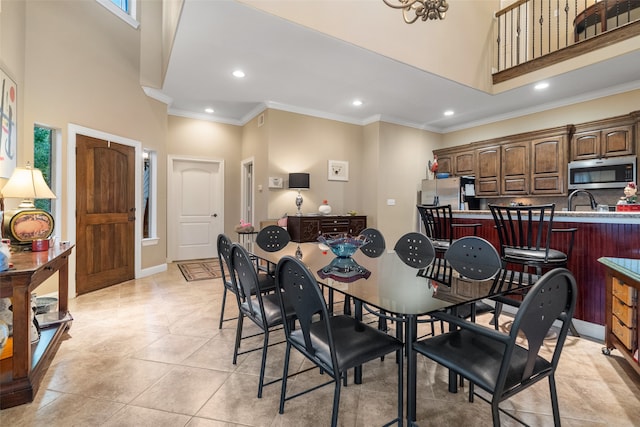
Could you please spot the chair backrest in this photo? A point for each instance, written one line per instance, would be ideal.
(245, 279)
(474, 257)
(415, 250)
(437, 221)
(272, 238)
(376, 245)
(224, 257)
(524, 227)
(552, 298)
(296, 287)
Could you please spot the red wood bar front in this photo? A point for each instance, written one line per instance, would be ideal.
(592, 241)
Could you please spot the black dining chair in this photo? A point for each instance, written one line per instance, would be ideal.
(271, 238)
(439, 226)
(266, 283)
(500, 363)
(476, 259)
(335, 344)
(415, 250)
(263, 310)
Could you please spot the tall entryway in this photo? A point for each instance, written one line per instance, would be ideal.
(105, 213)
(195, 207)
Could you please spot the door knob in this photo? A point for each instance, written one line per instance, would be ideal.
(215, 215)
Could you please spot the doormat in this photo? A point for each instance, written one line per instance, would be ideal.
(200, 270)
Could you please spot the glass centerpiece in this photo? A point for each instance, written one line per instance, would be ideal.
(343, 268)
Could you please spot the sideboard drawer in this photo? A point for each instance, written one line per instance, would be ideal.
(623, 312)
(625, 335)
(626, 293)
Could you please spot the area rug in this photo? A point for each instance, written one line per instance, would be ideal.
(200, 270)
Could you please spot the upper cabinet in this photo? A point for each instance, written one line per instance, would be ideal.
(464, 163)
(604, 138)
(456, 161)
(488, 171)
(515, 168)
(535, 163)
(549, 164)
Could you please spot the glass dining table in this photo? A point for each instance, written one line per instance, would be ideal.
(387, 283)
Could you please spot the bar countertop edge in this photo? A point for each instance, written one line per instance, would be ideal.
(566, 216)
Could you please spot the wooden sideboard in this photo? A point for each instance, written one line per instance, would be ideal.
(308, 228)
(21, 374)
(621, 308)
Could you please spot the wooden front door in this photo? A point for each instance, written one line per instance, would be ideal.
(105, 213)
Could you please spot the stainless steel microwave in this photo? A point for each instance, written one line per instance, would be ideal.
(613, 172)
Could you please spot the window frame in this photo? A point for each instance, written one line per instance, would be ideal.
(153, 238)
(129, 18)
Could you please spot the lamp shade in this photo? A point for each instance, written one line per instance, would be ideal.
(27, 183)
(299, 181)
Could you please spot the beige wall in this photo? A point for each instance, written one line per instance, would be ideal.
(80, 64)
(375, 26)
(208, 140)
(299, 143)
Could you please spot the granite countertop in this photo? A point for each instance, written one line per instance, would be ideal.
(627, 266)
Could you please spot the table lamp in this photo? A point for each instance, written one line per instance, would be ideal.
(299, 181)
(27, 223)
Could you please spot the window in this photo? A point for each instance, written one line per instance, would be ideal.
(123, 9)
(43, 160)
(149, 195)
(122, 4)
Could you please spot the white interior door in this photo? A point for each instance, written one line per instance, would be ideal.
(196, 206)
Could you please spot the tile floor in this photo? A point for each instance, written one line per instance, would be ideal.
(149, 353)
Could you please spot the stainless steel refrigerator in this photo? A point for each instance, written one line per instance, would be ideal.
(450, 191)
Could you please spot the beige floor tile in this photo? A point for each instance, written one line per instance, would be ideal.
(148, 352)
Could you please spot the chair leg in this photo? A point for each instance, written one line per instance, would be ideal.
(285, 373)
(238, 337)
(495, 412)
(496, 315)
(224, 300)
(336, 402)
(554, 401)
(265, 347)
(400, 390)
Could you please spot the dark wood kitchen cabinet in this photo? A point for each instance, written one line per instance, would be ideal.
(604, 138)
(515, 168)
(308, 228)
(488, 171)
(548, 165)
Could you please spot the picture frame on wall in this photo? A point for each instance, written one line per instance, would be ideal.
(338, 170)
(9, 128)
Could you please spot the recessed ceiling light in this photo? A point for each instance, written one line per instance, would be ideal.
(541, 86)
(357, 103)
(238, 73)
(208, 110)
(448, 113)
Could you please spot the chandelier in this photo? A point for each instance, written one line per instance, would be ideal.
(423, 9)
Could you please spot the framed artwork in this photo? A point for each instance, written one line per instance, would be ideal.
(9, 134)
(338, 170)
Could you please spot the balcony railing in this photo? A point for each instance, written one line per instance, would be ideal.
(530, 30)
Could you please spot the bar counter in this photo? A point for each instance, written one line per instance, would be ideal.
(600, 234)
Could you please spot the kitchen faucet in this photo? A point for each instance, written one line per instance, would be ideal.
(592, 200)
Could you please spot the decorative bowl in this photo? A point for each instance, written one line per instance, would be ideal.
(343, 245)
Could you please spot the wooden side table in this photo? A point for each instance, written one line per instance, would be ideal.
(21, 374)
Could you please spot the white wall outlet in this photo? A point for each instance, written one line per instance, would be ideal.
(391, 202)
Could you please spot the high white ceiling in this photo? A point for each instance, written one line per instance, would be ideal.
(293, 68)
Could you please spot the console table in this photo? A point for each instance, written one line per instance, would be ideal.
(21, 374)
(307, 228)
(621, 308)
